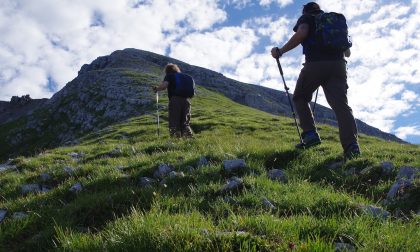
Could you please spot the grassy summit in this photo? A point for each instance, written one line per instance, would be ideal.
(318, 207)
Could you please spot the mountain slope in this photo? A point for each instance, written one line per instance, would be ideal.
(116, 87)
(321, 207)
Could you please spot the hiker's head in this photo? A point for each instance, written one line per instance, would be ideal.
(172, 68)
(311, 8)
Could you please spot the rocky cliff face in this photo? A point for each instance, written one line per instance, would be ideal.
(116, 87)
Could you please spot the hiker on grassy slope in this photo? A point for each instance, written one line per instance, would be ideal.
(180, 88)
(324, 67)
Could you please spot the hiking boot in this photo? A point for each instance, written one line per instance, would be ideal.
(310, 138)
(353, 151)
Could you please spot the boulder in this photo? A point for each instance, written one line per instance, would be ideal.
(3, 213)
(162, 171)
(268, 204)
(76, 188)
(30, 188)
(408, 172)
(375, 211)
(233, 165)
(19, 215)
(399, 189)
(387, 167)
(233, 183)
(202, 162)
(277, 175)
(174, 174)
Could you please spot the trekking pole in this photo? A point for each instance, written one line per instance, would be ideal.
(316, 97)
(157, 109)
(288, 97)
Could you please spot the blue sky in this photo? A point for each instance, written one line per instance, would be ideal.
(45, 42)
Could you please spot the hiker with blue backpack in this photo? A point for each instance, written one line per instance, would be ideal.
(180, 88)
(325, 43)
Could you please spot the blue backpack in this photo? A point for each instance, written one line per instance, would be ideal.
(184, 85)
(331, 31)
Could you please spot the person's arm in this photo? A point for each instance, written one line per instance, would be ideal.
(297, 38)
(347, 53)
(162, 86)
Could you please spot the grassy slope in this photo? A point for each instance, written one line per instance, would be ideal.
(317, 208)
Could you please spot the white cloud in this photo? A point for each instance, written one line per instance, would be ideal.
(282, 3)
(53, 39)
(278, 29)
(351, 9)
(403, 132)
(216, 49)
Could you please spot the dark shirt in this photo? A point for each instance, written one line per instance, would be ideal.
(312, 50)
(170, 78)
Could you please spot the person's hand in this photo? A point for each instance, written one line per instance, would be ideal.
(276, 52)
(154, 89)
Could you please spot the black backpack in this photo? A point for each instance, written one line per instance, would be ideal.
(184, 85)
(331, 31)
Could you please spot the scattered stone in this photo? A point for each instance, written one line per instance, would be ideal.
(268, 204)
(375, 211)
(174, 174)
(116, 152)
(233, 165)
(162, 171)
(45, 177)
(399, 189)
(8, 166)
(146, 182)
(69, 170)
(19, 215)
(387, 167)
(76, 188)
(344, 247)
(335, 165)
(202, 162)
(3, 213)
(30, 188)
(408, 173)
(232, 184)
(277, 175)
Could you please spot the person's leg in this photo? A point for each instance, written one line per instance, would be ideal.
(310, 78)
(335, 90)
(174, 117)
(185, 118)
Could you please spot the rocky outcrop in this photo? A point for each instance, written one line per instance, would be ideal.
(116, 87)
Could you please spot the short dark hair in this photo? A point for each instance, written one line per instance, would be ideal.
(310, 7)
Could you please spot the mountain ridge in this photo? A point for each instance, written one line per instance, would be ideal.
(116, 87)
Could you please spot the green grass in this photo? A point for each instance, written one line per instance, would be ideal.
(315, 209)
